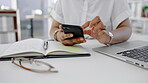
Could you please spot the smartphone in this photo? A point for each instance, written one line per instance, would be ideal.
(74, 29)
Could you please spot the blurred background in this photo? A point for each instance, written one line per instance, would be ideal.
(22, 19)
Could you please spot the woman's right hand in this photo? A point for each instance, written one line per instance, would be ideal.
(66, 39)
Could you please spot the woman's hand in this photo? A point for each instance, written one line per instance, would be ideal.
(97, 30)
(66, 39)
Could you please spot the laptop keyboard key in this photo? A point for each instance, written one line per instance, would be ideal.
(146, 60)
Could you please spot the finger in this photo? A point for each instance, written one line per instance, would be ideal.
(94, 35)
(98, 27)
(85, 25)
(60, 27)
(94, 21)
(78, 40)
(67, 42)
(103, 37)
(101, 33)
(97, 33)
(87, 32)
(73, 41)
(65, 36)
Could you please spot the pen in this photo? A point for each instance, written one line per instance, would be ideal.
(45, 46)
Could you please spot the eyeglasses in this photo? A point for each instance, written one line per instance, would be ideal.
(33, 65)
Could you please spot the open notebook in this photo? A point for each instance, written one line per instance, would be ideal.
(34, 48)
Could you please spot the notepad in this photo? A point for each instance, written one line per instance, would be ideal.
(34, 48)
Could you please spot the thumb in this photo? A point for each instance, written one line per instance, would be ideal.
(60, 27)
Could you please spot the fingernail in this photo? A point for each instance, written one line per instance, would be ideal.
(89, 24)
(93, 31)
(92, 28)
(84, 41)
(81, 39)
(71, 35)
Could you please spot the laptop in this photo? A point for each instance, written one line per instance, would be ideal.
(133, 52)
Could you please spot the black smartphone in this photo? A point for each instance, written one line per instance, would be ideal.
(74, 29)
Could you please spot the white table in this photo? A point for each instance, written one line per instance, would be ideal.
(97, 68)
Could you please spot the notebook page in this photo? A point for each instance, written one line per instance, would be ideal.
(3, 47)
(25, 46)
(56, 47)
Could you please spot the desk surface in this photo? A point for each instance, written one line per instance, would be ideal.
(98, 68)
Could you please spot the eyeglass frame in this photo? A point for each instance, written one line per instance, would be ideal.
(35, 61)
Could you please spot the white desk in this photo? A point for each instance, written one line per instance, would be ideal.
(98, 68)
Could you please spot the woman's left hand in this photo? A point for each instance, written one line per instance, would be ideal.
(97, 30)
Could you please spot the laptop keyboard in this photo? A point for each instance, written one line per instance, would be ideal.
(138, 53)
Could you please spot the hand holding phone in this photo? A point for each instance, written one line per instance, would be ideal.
(74, 29)
(70, 35)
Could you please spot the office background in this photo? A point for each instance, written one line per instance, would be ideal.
(31, 18)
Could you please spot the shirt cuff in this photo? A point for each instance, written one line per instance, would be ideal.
(57, 17)
(124, 15)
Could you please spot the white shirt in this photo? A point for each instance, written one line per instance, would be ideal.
(77, 12)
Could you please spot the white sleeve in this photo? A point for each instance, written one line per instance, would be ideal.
(57, 13)
(120, 12)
